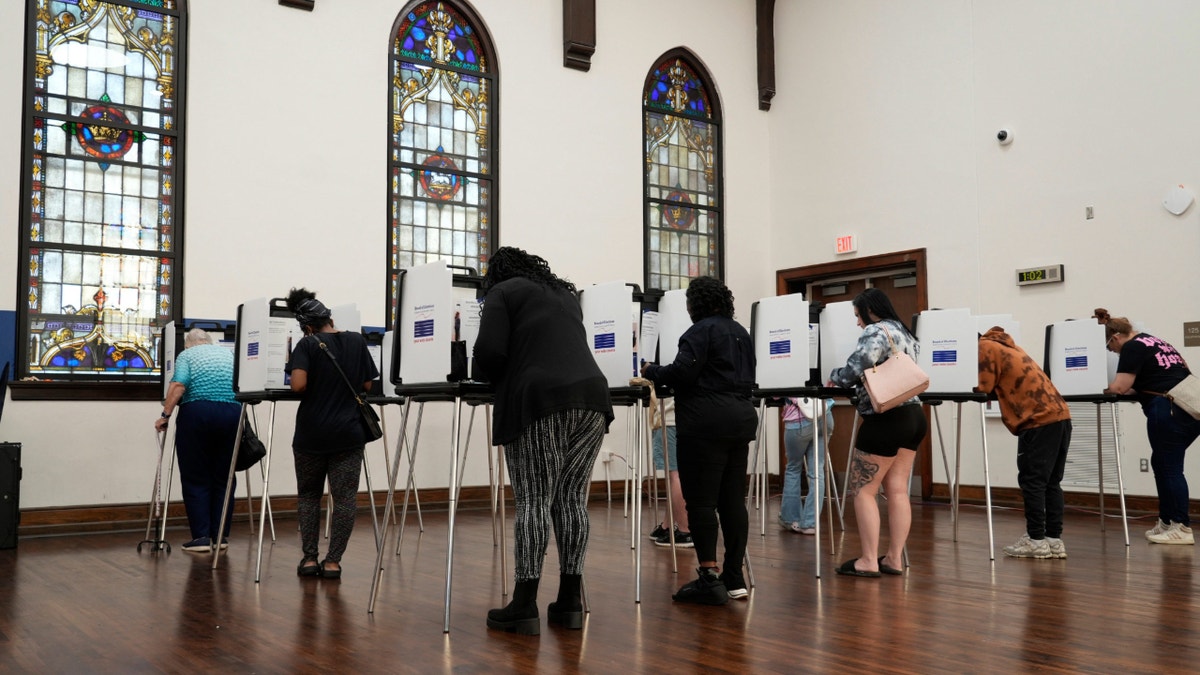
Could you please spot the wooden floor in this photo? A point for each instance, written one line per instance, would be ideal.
(91, 603)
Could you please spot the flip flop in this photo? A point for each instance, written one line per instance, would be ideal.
(888, 569)
(847, 569)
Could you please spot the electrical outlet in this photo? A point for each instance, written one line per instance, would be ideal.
(1089, 213)
(1144, 465)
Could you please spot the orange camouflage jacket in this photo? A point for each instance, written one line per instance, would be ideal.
(1028, 399)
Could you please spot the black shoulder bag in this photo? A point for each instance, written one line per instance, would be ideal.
(366, 414)
(252, 449)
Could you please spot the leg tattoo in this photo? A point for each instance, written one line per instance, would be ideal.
(862, 471)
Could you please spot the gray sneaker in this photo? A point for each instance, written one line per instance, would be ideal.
(1028, 548)
(1176, 533)
(1057, 549)
(1159, 528)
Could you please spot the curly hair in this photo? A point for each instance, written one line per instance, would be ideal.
(1112, 324)
(309, 311)
(509, 262)
(709, 296)
(875, 302)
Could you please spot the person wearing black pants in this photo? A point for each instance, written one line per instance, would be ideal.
(551, 412)
(1031, 408)
(202, 389)
(713, 374)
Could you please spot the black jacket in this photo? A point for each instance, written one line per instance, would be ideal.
(712, 375)
(533, 347)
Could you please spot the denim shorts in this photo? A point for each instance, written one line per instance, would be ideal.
(656, 439)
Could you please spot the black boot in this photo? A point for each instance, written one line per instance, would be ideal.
(521, 615)
(568, 609)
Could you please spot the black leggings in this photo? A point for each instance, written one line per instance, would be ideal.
(342, 469)
(712, 475)
(551, 465)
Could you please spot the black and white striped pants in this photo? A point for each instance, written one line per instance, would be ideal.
(551, 467)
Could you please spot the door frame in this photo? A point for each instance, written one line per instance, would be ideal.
(799, 278)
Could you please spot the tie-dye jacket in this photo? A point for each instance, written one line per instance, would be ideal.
(1028, 399)
(873, 348)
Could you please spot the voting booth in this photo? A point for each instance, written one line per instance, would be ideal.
(612, 339)
(1076, 358)
(780, 329)
(950, 355)
(431, 347)
(266, 332)
(1078, 362)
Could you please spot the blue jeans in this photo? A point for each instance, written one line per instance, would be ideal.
(1170, 431)
(204, 436)
(799, 443)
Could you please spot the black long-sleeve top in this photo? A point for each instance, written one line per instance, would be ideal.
(713, 375)
(533, 347)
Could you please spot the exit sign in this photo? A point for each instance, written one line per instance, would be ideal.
(847, 244)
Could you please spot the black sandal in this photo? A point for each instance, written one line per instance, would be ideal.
(308, 567)
(328, 573)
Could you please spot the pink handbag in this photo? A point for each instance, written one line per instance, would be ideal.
(895, 380)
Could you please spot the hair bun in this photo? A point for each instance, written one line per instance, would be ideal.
(1101, 315)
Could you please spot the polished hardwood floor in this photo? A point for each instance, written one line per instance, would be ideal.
(91, 603)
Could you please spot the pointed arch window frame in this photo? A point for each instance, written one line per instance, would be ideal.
(715, 119)
(490, 73)
(140, 386)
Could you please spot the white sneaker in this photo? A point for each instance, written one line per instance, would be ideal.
(1176, 533)
(1159, 528)
(1028, 548)
(792, 526)
(1057, 549)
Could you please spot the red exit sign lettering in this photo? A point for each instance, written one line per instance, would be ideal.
(847, 244)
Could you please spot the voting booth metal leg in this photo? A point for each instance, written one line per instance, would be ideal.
(266, 497)
(237, 446)
(371, 497)
(752, 500)
(641, 432)
(1120, 475)
(956, 485)
(849, 462)
(937, 425)
(388, 511)
(410, 485)
(987, 480)
(453, 509)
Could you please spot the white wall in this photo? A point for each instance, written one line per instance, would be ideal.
(287, 115)
(885, 123)
(884, 126)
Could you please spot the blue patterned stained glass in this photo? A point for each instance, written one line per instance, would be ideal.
(678, 89)
(433, 31)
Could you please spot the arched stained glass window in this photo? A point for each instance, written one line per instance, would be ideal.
(103, 109)
(442, 166)
(681, 125)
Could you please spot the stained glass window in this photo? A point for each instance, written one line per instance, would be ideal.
(442, 154)
(101, 150)
(682, 146)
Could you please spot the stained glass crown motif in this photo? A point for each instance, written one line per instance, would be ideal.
(437, 34)
(674, 87)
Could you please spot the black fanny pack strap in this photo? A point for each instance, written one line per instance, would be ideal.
(325, 348)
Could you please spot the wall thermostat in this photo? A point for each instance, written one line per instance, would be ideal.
(1048, 274)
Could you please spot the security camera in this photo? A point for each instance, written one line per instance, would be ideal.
(1004, 136)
